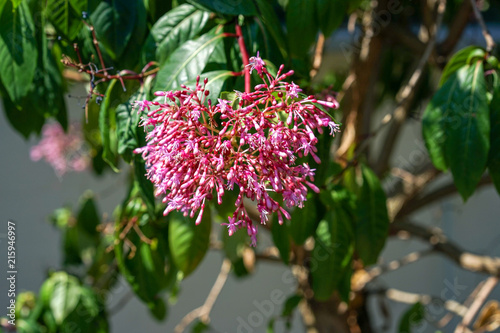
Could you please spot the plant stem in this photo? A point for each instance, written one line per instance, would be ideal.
(244, 56)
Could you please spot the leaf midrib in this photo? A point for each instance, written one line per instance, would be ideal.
(189, 59)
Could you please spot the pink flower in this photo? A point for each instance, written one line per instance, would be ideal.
(196, 151)
(63, 151)
(256, 63)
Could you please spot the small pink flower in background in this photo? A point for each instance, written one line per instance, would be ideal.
(195, 152)
(63, 151)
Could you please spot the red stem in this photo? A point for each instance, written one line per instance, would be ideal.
(244, 56)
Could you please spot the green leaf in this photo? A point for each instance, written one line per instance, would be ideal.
(114, 22)
(145, 185)
(173, 29)
(269, 18)
(149, 269)
(281, 239)
(412, 317)
(330, 14)
(304, 220)
(186, 63)
(494, 155)
(47, 93)
(131, 56)
(456, 127)
(467, 130)
(16, 3)
(64, 297)
(200, 327)
(88, 218)
(302, 26)
(127, 125)
(65, 19)
(107, 126)
(79, 5)
(229, 7)
(114, 97)
(332, 252)
(291, 304)
(436, 119)
(372, 223)
(27, 326)
(21, 118)
(17, 50)
(460, 59)
(189, 242)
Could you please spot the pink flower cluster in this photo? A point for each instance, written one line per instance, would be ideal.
(196, 149)
(63, 151)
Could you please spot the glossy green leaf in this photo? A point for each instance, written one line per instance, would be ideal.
(127, 125)
(47, 93)
(468, 130)
(229, 7)
(269, 18)
(304, 220)
(456, 128)
(21, 118)
(186, 63)
(460, 59)
(18, 49)
(372, 220)
(115, 96)
(107, 126)
(330, 14)
(332, 252)
(302, 26)
(64, 297)
(173, 29)
(145, 185)
(411, 318)
(64, 17)
(131, 55)
(189, 242)
(436, 119)
(114, 22)
(494, 154)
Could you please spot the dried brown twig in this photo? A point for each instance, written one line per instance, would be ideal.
(203, 312)
(100, 75)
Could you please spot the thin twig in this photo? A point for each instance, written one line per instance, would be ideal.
(490, 43)
(412, 298)
(389, 267)
(418, 202)
(485, 289)
(203, 312)
(318, 56)
(441, 244)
